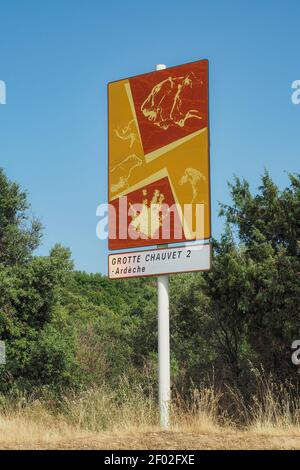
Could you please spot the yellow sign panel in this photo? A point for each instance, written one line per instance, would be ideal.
(159, 157)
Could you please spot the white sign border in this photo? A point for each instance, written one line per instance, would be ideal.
(159, 249)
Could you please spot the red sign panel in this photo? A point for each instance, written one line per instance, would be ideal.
(159, 156)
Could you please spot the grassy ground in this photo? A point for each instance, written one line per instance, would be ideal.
(126, 418)
(18, 433)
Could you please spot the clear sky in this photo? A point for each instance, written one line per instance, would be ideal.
(57, 56)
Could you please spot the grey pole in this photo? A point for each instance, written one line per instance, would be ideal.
(163, 341)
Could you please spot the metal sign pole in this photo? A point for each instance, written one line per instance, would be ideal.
(163, 340)
(163, 350)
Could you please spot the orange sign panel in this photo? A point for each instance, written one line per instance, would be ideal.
(158, 171)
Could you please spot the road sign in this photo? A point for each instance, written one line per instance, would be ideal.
(160, 261)
(159, 181)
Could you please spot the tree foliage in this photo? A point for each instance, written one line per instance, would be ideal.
(72, 329)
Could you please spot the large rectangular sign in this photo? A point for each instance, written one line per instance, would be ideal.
(160, 261)
(159, 178)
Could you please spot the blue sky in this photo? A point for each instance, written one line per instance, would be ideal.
(57, 57)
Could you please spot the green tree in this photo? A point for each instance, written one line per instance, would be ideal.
(30, 286)
(254, 285)
(20, 233)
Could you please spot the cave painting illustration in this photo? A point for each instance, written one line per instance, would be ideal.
(149, 218)
(164, 105)
(120, 173)
(127, 133)
(195, 178)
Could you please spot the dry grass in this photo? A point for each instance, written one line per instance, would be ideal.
(22, 432)
(124, 418)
